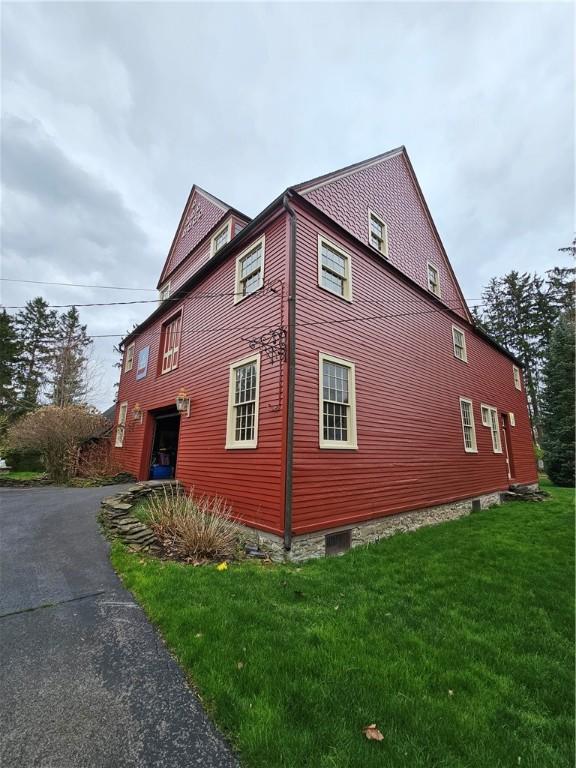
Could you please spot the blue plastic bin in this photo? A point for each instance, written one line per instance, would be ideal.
(159, 472)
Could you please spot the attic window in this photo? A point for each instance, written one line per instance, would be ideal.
(378, 233)
(433, 279)
(221, 237)
(164, 292)
(250, 270)
(337, 543)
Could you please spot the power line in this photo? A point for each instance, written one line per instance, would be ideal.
(75, 285)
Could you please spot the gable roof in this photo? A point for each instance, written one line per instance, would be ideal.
(320, 181)
(175, 258)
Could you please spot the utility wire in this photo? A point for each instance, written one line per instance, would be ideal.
(75, 285)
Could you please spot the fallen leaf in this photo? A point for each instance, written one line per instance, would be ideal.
(222, 566)
(198, 634)
(372, 733)
(240, 664)
(450, 692)
(336, 607)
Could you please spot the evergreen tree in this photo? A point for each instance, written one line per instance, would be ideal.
(9, 356)
(558, 404)
(36, 326)
(68, 379)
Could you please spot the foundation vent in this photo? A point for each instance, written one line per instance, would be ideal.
(336, 543)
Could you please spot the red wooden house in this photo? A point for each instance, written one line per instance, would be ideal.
(318, 367)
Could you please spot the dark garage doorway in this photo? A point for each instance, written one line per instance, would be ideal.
(165, 444)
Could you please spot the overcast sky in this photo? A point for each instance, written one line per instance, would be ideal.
(112, 111)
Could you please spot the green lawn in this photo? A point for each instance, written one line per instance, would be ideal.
(456, 640)
(22, 475)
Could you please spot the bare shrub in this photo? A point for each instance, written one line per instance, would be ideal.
(193, 528)
(57, 434)
(95, 460)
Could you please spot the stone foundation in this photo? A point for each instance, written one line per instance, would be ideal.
(312, 545)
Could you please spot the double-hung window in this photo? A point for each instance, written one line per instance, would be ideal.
(221, 237)
(459, 342)
(433, 279)
(121, 426)
(243, 396)
(468, 427)
(171, 344)
(490, 419)
(334, 272)
(377, 233)
(249, 270)
(129, 361)
(517, 379)
(164, 292)
(337, 403)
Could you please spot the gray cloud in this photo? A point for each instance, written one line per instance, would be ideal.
(112, 111)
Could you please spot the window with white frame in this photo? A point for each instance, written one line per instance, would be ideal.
(459, 342)
(433, 279)
(334, 271)
(490, 419)
(222, 237)
(171, 344)
(164, 292)
(468, 427)
(121, 426)
(243, 397)
(511, 419)
(517, 379)
(129, 361)
(249, 271)
(378, 233)
(337, 403)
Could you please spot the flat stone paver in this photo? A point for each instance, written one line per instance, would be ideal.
(86, 681)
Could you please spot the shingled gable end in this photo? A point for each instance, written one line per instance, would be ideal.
(335, 380)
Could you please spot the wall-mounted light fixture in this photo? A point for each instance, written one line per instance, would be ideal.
(137, 413)
(183, 402)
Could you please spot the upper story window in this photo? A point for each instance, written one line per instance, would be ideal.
(243, 396)
(459, 342)
(121, 426)
(129, 360)
(222, 237)
(468, 426)
(164, 292)
(378, 233)
(337, 403)
(517, 378)
(170, 338)
(249, 270)
(334, 270)
(490, 419)
(433, 279)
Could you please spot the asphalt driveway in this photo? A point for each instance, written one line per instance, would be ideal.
(86, 680)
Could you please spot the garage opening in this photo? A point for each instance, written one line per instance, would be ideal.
(165, 445)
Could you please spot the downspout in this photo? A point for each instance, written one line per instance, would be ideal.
(291, 360)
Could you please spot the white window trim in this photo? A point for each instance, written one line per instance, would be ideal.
(381, 221)
(474, 448)
(517, 377)
(231, 442)
(435, 268)
(238, 297)
(460, 330)
(352, 443)
(121, 425)
(512, 419)
(347, 296)
(492, 413)
(227, 226)
(164, 291)
(163, 351)
(129, 360)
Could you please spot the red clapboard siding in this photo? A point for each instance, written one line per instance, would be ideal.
(250, 479)
(389, 190)
(408, 383)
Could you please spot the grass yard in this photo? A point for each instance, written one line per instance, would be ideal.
(456, 640)
(24, 475)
